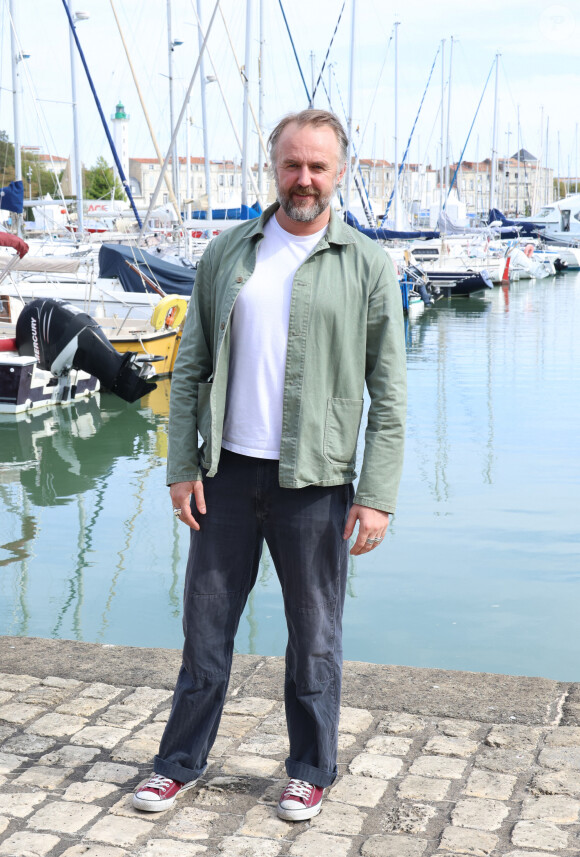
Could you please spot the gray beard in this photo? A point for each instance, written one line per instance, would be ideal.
(303, 214)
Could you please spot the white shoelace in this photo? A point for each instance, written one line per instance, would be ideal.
(298, 788)
(157, 781)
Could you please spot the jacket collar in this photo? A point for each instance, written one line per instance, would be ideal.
(338, 231)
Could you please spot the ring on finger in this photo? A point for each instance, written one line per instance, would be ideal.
(177, 512)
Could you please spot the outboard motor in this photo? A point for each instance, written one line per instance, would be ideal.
(61, 337)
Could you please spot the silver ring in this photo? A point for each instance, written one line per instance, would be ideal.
(373, 541)
(177, 512)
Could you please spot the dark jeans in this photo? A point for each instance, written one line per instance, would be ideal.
(303, 529)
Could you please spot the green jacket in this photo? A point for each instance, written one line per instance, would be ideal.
(345, 329)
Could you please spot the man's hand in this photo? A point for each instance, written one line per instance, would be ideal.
(180, 493)
(372, 526)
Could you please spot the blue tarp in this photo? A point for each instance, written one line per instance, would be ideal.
(387, 234)
(12, 197)
(524, 227)
(172, 279)
(245, 212)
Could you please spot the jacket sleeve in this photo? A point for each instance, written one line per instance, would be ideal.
(194, 364)
(386, 380)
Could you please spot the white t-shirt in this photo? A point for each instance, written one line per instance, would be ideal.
(253, 418)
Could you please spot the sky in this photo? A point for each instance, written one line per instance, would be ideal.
(538, 74)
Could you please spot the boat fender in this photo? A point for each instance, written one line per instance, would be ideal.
(529, 250)
(169, 312)
(425, 296)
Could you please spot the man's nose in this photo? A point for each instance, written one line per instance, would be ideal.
(304, 179)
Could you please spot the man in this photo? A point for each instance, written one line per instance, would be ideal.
(291, 315)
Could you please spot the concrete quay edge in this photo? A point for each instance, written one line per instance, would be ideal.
(485, 697)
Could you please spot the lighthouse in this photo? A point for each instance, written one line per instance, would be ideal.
(120, 123)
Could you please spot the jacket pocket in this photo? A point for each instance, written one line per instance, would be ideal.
(341, 430)
(204, 410)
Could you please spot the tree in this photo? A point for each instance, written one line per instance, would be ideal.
(99, 181)
(42, 181)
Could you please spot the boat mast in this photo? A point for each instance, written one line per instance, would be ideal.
(396, 186)
(547, 182)
(350, 110)
(518, 172)
(494, 139)
(261, 102)
(174, 161)
(17, 57)
(246, 124)
(78, 172)
(203, 82)
(447, 146)
(442, 125)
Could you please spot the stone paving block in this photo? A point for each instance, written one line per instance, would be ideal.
(475, 843)
(124, 806)
(142, 746)
(528, 854)
(539, 834)
(408, 818)
(251, 766)
(89, 850)
(236, 725)
(557, 808)
(442, 745)
(9, 762)
(505, 761)
(488, 784)
(46, 696)
(345, 740)
(360, 791)
(219, 791)
(253, 706)
(58, 725)
(29, 844)
(557, 782)
(265, 745)
(322, 844)
(6, 731)
(4, 822)
(221, 746)
(192, 823)
(388, 745)
(559, 758)
(28, 744)
(479, 813)
(147, 698)
(399, 724)
(424, 788)
(16, 682)
(354, 720)
(108, 772)
(89, 792)
(58, 681)
(334, 819)
(69, 756)
(263, 821)
(99, 690)
(241, 846)
(393, 846)
(169, 848)
(374, 765)
(115, 830)
(100, 736)
(125, 716)
(42, 777)
(513, 737)
(458, 728)
(21, 804)
(563, 736)
(438, 766)
(19, 712)
(275, 722)
(162, 716)
(63, 816)
(5, 695)
(82, 706)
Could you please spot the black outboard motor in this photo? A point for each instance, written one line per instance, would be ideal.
(62, 337)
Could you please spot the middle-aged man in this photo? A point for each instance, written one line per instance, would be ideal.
(291, 315)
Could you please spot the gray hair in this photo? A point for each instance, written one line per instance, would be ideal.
(316, 118)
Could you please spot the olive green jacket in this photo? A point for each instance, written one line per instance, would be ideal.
(345, 329)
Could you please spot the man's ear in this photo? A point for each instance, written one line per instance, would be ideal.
(341, 173)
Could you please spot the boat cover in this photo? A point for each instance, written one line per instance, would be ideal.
(12, 197)
(380, 234)
(244, 212)
(172, 279)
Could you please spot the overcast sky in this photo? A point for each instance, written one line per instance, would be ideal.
(539, 72)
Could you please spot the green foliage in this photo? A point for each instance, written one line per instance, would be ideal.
(99, 181)
(38, 181)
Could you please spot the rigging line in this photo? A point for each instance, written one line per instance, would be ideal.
(468, 136)
(375, 95)
(327, 53)
(294, 49)
(119, 166)
(406, 152)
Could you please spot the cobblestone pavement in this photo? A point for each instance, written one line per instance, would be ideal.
(411, 783)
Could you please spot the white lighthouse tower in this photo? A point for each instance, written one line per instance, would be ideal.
(120, 122)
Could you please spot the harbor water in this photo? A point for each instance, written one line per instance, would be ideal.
(481, 566)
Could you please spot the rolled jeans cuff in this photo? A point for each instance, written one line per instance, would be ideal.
(177, 772)
(300, 771)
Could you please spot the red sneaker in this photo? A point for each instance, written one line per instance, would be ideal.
(300, 800)
(159, 793)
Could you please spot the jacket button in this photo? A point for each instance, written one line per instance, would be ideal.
(239, 279)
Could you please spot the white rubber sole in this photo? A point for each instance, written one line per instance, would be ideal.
(299, 814)
(158, 805)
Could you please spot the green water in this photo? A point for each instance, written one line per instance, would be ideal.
(481, 566)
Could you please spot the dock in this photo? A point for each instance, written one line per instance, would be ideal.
(431, 762)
